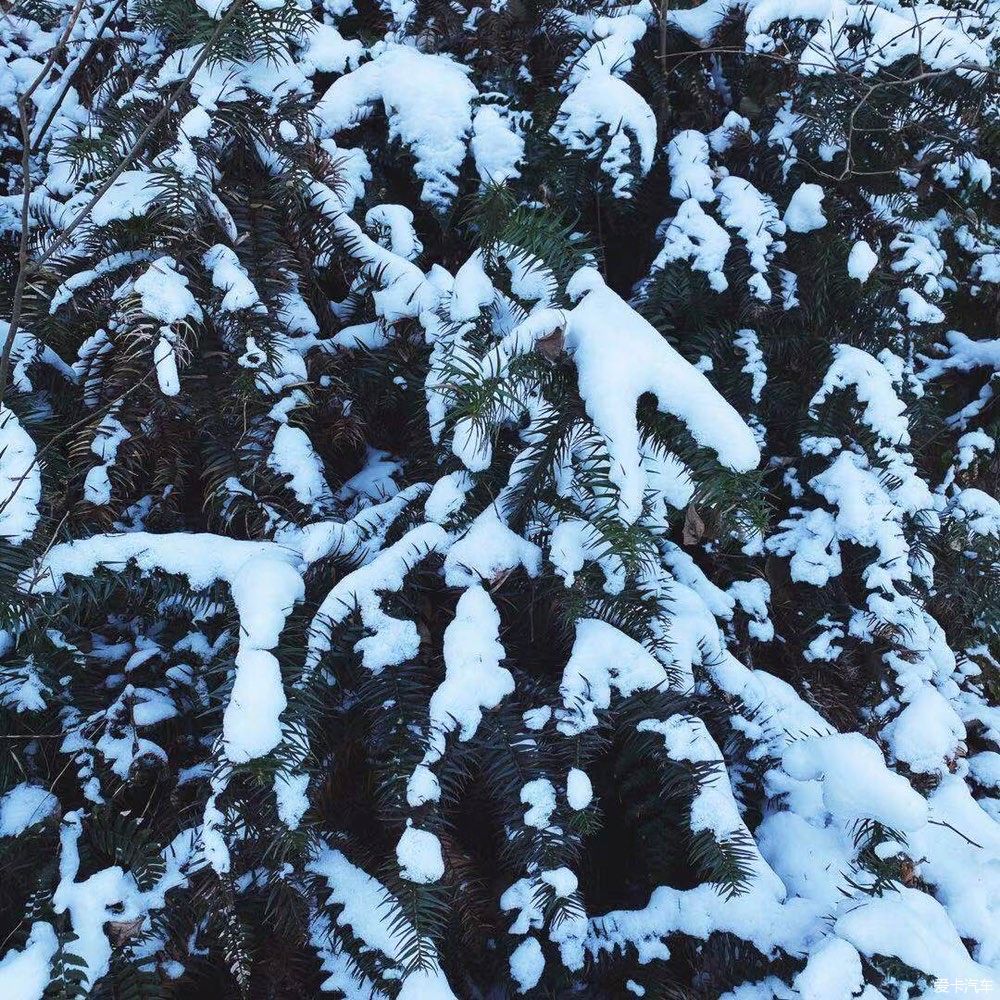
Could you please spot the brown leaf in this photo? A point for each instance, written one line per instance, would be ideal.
(907, 872)
(120, 931)
(694, 526)
(551, 346)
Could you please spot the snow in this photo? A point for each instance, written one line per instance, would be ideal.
(873, 384)
(970, 444)
(985, 768)
(701, 20)
(488, 549)
(341, 972)
(164, 293)
(870, 509)
(686, 571)
(832, 972)
(427, 100)
(913, 927)
(250, 723)
(966, 354)
(165, 360)
(474, 680)
(889, 35)
(614, 371)
(164, 296)
(754, 217)
(602, 102)
(698, 912)
(447, 496)
(392, 227)
(573, 543)
(789, 289)
(807, 856)
(607, 48)
(923, 258)
(713, 808)
(748, 342)
(391, 640)
(527, 964)
(264, 587)
(696, 237)
(22, 689)
(471, 290)
(364, 534)
(27, 349)
(855, 781)
(214, 8)
(526, 896)
(196, 124)
(804, 213)
(130, 196)
(958, 854)
(23, 806)
(229, 275)
(470, 444)
(537, 718)
(539, 796)
(375, 917)
(927, 734)
(602, 659)
(496, 147)
(422, 787)
(109, 895)
(20, 480)
(579, 790)
(861, 261)
(754, 597)
(918, 309)
(404, 292)
(418, 854)
(327, 51)
(294, 457)
(25, 973)
(690, 176)
(978, 511)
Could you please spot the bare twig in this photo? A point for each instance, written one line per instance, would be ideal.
(70, 77)
(22, 251)
(69, 430)
(127, 160)
(663, 14)
(136, 148)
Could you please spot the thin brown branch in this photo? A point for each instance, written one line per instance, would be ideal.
(84, 213)
(69, 430)
(22, 251)
(136, 148)
(70, 77)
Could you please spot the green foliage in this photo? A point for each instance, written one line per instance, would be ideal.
(333, 328)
